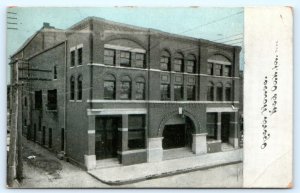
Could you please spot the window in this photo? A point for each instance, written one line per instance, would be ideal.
(210, 68)
(52, 99)
(211, 125)
(218, 69)
(178, 63)
(140, 60)
(125, 90)
(219, 92)
(79, 52)
(109, 90)
(178, 92)
(191, 92)
(140, 89)
(165, 61)
(109, 57)
(125, 59)
(227, 70)
(109, 87)
(210, 92)
(38, 99)
(40, 123)
(73, 58)
(136, 132)
(165, 92)
(72, 88)
(79, 87)
(228, 92)
(54, 72)
(191, 63)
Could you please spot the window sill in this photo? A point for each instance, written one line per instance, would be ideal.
(72, 101)
(79, 101)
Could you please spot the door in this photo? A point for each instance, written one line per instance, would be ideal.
(44, 136)
(225, 126)
(106, 140)
(50, 138)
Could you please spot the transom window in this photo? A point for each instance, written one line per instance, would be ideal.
(125, 59)
(109, 56)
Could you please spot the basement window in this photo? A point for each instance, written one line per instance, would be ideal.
(52, 99)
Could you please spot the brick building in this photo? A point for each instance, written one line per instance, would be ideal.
(102, 90)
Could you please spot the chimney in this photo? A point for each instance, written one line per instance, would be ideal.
(46, 25)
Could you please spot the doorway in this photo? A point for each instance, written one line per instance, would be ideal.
(225, 127)
(106, 140)
(44, 136)
(50, 138)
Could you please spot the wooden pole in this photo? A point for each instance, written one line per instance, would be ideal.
(11, 173)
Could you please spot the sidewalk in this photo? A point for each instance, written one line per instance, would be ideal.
(139, 172)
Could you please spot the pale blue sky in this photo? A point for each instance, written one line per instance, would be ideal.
(220, 24)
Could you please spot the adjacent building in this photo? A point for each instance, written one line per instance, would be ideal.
(102, 90)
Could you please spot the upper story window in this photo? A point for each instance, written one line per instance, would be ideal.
(140, 89)
(191, 64)
(220, 64)
(228, 92)
(54, 72)
(210, 69)
(52, 99)
(178, 92)
(218, 71)
(165, 92)
(72, 88)
(125, 59)
(79, 54)
(72, 58)
(140, 60)
(191, 92)
(210, 91)
(226, 70)
(125, 92)
(178, 63)
(79, 87)
(219, 92)
(109, 87)
(165, 59)
(109, 56)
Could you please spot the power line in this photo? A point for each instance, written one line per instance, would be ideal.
(211, 22)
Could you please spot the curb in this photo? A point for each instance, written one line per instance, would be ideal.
(160, 175)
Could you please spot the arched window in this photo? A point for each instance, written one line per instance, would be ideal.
(125, 92)
(178, 62)
(72, 88)
(221, 65)
(109, 87)
(140, 88)
(210, 91)
(219, 92)
(54, 72)
(228, 92)
(165, 61)
(191, 64)
(79, 87)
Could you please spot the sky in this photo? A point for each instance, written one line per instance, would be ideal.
(224, 25)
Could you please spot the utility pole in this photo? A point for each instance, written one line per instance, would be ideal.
(11, 173)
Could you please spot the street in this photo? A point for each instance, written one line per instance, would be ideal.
(46, 171)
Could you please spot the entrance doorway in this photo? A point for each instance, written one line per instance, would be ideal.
(178, 132)
(106, 139)
(225, 127)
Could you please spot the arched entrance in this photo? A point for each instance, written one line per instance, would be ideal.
(177, 132)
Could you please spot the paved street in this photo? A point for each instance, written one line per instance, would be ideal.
(70, 176)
